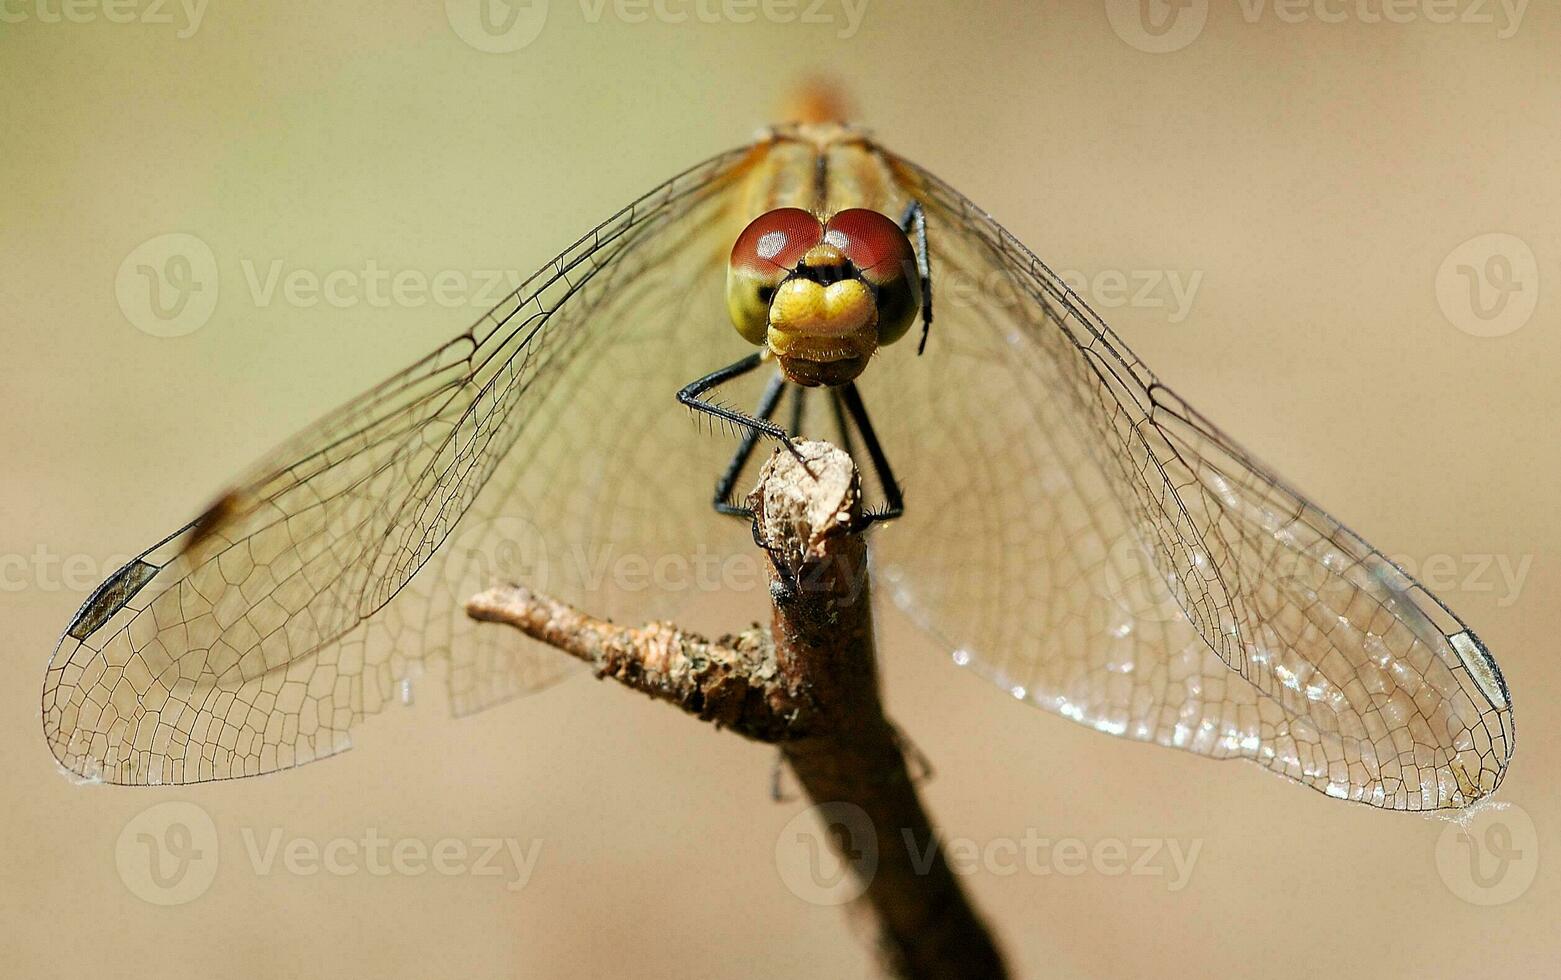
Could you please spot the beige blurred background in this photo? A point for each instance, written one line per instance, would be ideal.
(1317, 176)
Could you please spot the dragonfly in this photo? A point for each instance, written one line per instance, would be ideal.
(1053, 516)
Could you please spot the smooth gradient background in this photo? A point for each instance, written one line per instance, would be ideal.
(1316, 175)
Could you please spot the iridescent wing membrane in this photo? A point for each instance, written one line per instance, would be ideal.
(1074, 532)
(253, 639)
(1092, 544)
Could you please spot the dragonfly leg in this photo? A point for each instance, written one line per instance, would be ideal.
(915, 219)
(756, 427)
(799, 396)
(734, 468)
(690, 396)
(894, 503)
(842, 425)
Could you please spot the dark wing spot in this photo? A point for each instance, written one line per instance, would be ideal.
(111, 597)
(215, 516)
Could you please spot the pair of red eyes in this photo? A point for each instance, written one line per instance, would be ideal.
(775, 242)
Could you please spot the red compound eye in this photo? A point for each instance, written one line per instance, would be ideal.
(873, 243)
(775, 240)
(768, 249)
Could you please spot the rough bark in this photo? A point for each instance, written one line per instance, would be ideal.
(809, 685)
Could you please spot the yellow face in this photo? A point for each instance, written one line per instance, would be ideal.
(822, 295)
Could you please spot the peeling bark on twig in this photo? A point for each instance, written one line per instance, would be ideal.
(809, 684)
(733, 681)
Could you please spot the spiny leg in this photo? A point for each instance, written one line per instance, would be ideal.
(756, 427)
(916, 218)
(894, 503)
(734, 468)
(690, 396)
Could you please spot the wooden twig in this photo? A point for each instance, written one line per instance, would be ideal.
(732, 681)
(810, 684)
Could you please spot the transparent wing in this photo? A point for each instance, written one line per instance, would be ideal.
(1077, 533)
(256, 637)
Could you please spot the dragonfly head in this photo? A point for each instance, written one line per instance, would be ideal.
(822, 294)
